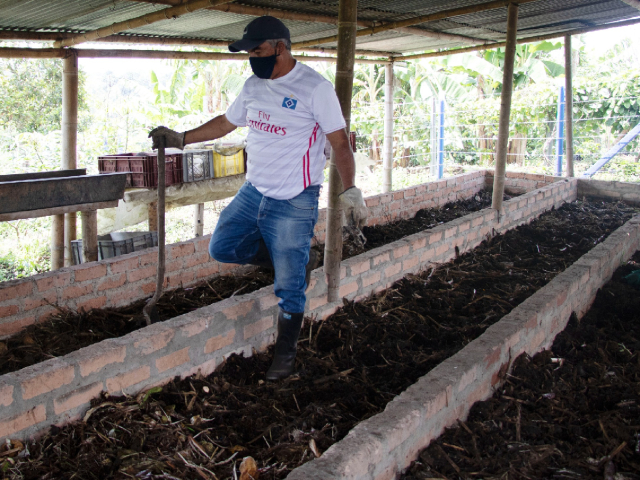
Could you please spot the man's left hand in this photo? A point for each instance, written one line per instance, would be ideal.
(354, 208)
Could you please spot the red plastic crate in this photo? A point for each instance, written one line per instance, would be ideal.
(143, 168)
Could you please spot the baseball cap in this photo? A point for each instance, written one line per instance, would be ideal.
(259, 30)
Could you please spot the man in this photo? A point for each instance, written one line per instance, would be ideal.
(289, 109)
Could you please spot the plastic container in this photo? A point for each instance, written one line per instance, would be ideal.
(197, 165)
(143, 168)
(118, 243)
(228, 160)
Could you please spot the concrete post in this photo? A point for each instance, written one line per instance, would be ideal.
(347, 17)
(505, 107)
(568, 86)
(89, 235)
(388, 128)
(198, 220)
(69, 139)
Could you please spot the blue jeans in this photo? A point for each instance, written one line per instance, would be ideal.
(286, 226)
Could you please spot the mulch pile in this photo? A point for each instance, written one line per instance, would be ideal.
(350, 366)
(67, 331)
(569, 412)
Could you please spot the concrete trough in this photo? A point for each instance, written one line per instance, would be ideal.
(59, 390)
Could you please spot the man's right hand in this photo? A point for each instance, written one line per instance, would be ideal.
(173, 139)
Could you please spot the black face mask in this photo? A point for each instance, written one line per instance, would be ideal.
(263, 66)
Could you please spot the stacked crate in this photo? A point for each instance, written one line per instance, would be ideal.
(143, 168)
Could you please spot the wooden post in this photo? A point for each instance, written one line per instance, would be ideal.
(388, 128)
(568, 86)
(57, 242)
(89, 235)
(347, 17)
(69, 139)
(198, 220)
(505, 107)
(152, 212)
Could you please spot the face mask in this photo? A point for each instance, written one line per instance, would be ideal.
(263, 66)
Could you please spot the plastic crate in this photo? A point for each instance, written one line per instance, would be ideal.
(197, 165)
(117, 163)
(173, 168)
(143, 168)
(118, 243)
(226, 165)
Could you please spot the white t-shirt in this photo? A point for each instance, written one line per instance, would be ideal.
(287, 118)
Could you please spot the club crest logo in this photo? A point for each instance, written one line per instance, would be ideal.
(289, 103)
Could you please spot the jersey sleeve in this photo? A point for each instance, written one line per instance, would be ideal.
(237, 111)
(326, 108)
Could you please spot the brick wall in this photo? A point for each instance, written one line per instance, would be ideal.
(58, 390)
(628, 192)
(517, 183)
(119, 281)
(386, 444)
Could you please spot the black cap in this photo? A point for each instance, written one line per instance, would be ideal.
(259, 30)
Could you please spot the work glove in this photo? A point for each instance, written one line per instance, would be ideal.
(172, 139)
(354, 208)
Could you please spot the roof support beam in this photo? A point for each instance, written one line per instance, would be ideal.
(153, 54)
(415, 21)
(144, 20)
(505, 107)
(633, 3)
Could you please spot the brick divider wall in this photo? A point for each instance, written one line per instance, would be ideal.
(386, 444)
(122, 280)
(59, 390)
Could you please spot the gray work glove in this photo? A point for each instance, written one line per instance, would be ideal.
(354, 208)
(173, 139)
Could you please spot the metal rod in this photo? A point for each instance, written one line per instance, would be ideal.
(69, 139)
(388, 128)
(441, 141)
(505, 107)
(142, 21)
(415, 21)
(560, 132)
(348, 12)
(568, 84)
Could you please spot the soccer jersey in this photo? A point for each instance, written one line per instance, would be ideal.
(288, 118)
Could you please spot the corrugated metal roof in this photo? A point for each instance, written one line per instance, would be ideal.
(535, 18)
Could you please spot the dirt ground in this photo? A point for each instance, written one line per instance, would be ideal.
(349, 367)
(569, 412)
(68, 331)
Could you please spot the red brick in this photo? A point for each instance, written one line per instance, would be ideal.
(112, 281)
(392, 270)
(400, 251)
(81, 396)
(89, 272)
(211, 268)
(318, 302)
(150, 258)
(174, 265)
(155, 342)
(238, 310)
(22, 289)
(119, 383)
(53, 280)
(397, 205)
(197, 259)
(372, 201)
(398, 195)
(348, 289)
(427, 255)
(410, 192)
(47, 382)
(149, 287)
(419, 243)
(123, 296)
(182, 278)
(228, 267)
(194, 328)
(6, 395)
(383, 257)
(143, 272)
(268, 301)
(201, 244)
(370, 279)
(220, 341)
(172, 360)
(180, 250)
(442, 249)
(435, 237)
(258, 327)
(87, 305)
(9, 310)
(24, 420)
(360, 267)
(97, 363)
(11, 327)
(409, 263)
(125, 264)
(75, 291)
(463, 227)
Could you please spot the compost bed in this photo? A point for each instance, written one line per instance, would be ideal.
(349, 367)
(569, 412)
(68, 331)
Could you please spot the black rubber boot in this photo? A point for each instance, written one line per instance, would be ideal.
(284, 356)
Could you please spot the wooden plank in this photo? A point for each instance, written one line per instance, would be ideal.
(45, 212)
(50, 193)
(17, 177)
